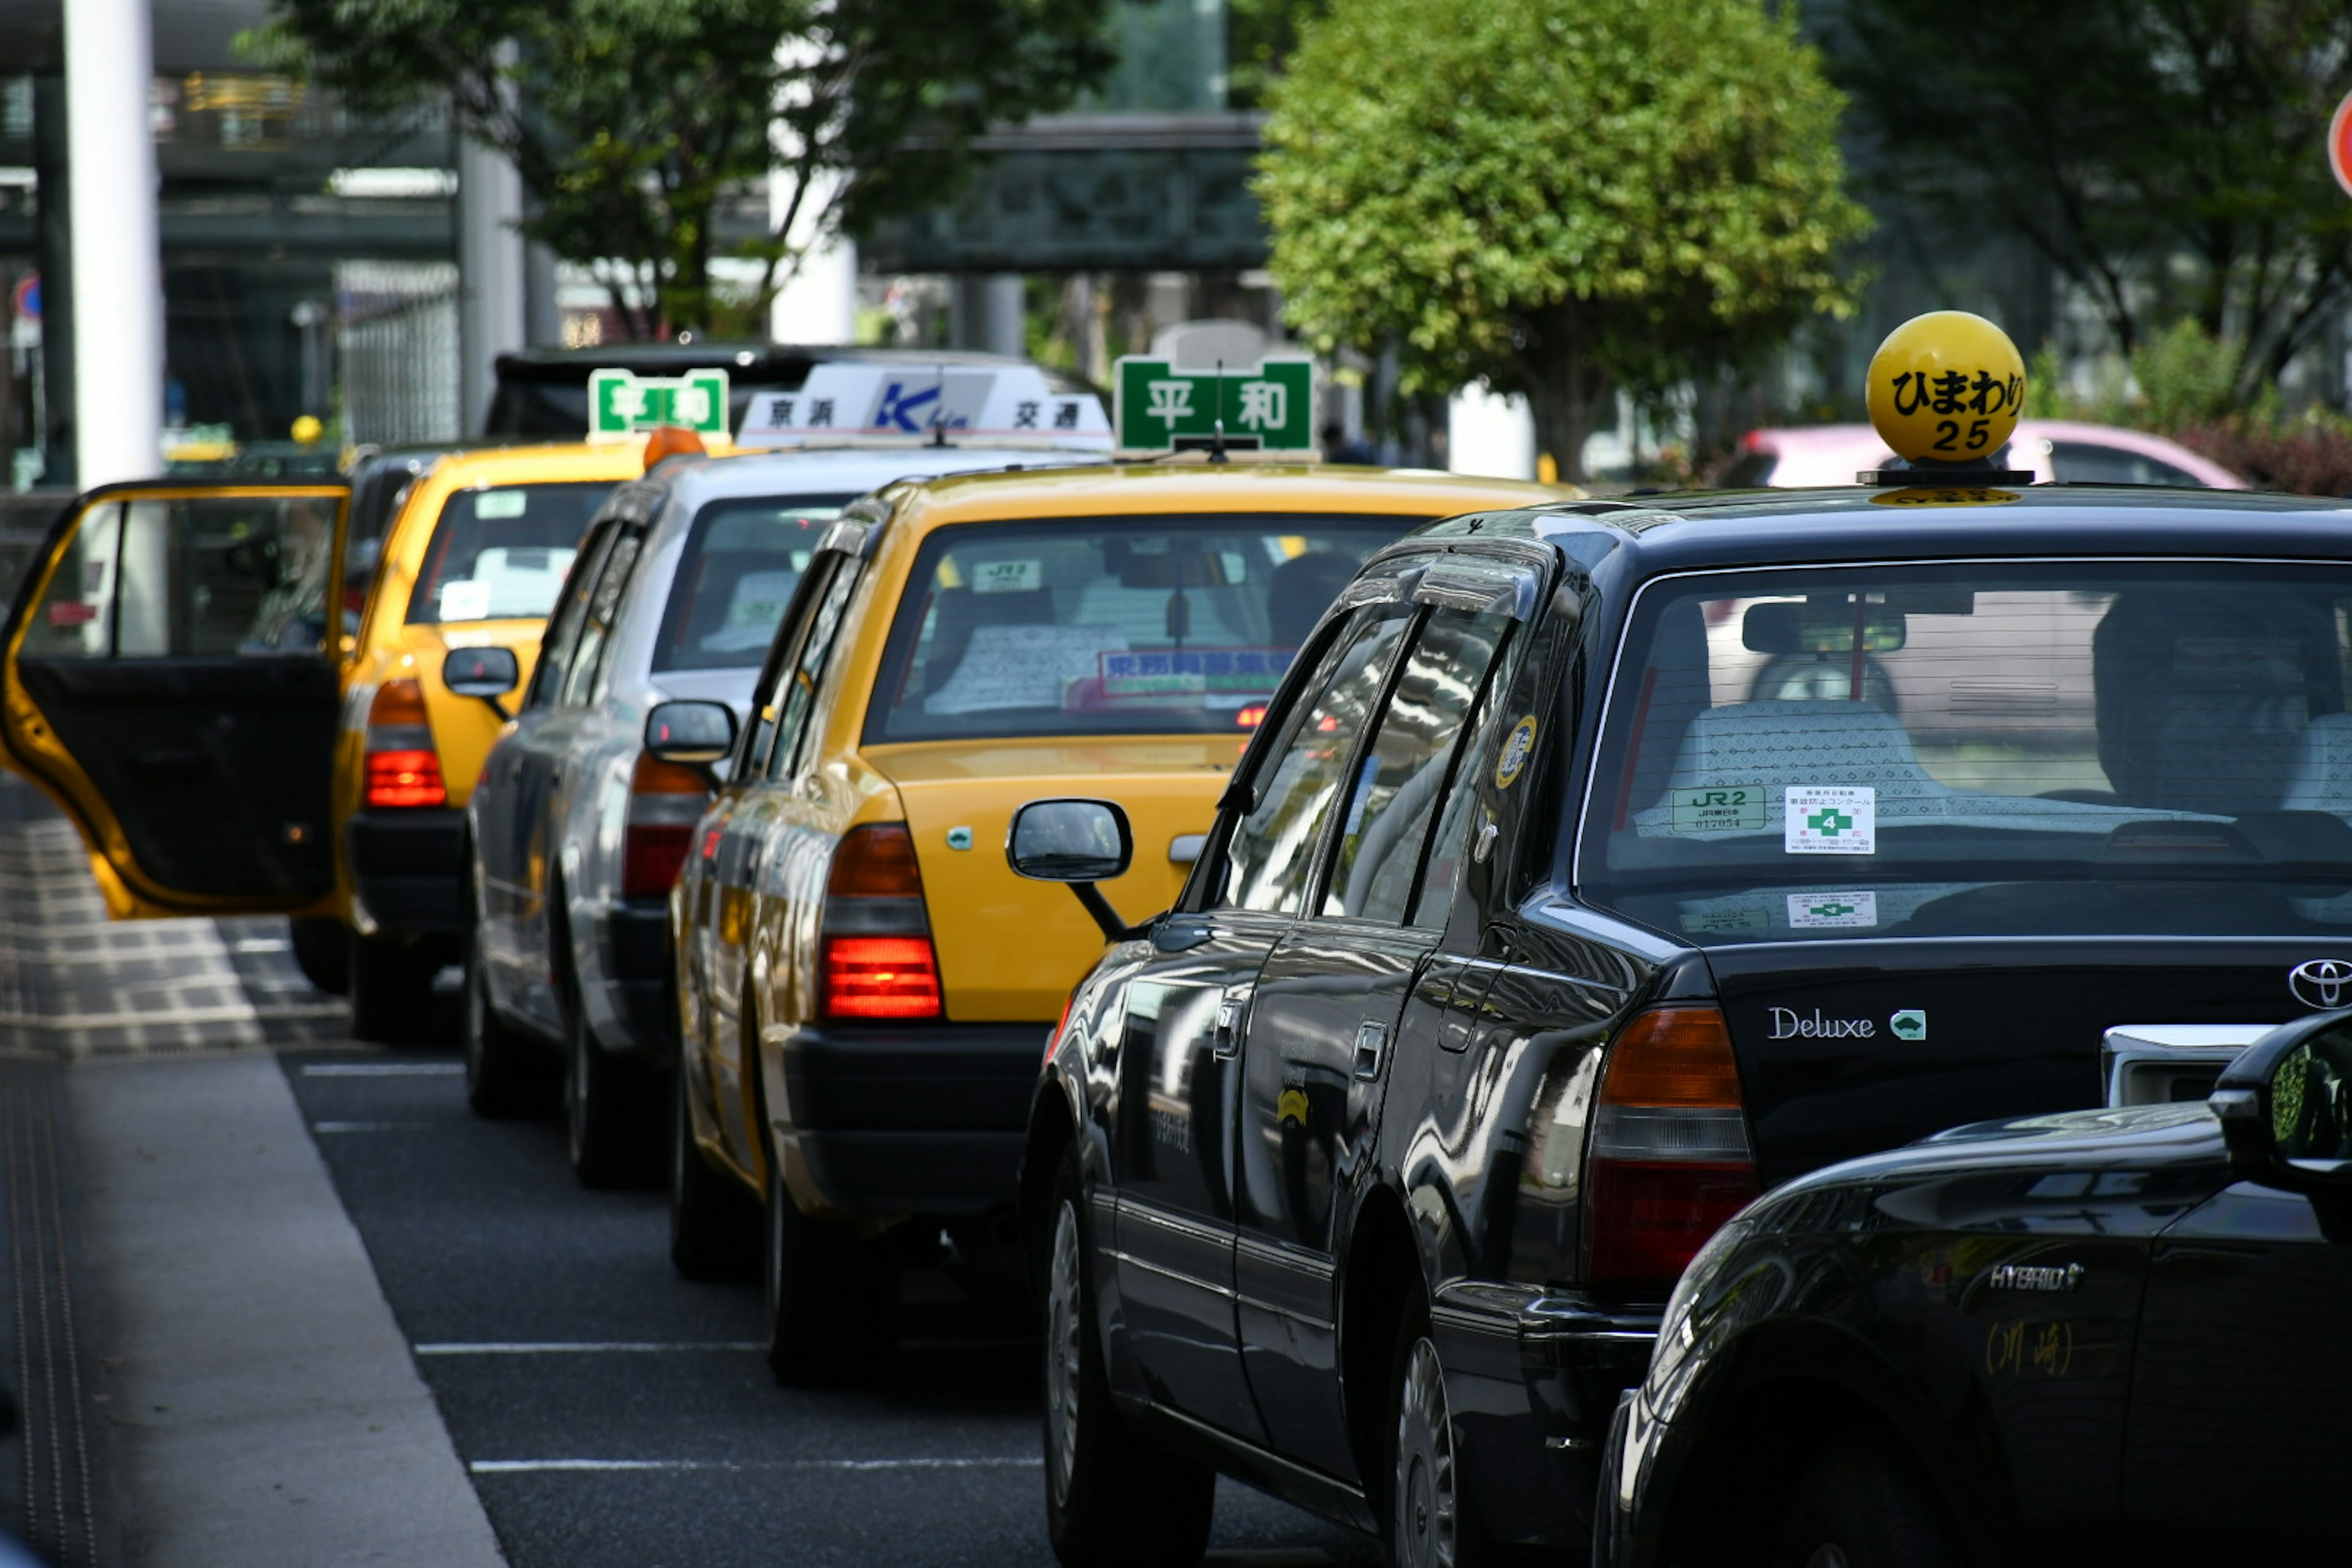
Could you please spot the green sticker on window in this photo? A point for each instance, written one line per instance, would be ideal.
(1720, 808)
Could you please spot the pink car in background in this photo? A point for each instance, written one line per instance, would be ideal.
(2056, 451)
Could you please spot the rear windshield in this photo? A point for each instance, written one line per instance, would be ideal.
(500, 553)
(2060, 748)
(1110, 625)
(742, 562)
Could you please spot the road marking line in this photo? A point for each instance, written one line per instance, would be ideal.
(531, 1467)
(382, 1069)
(582, 1347)
(261, 944)
(365, 1126)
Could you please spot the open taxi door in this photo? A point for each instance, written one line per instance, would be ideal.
(171, 680)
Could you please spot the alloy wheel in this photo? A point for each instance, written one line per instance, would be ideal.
(1064, 1324)
(1427, 1515)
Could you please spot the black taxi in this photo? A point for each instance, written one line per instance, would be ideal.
(2104, 1336)
(1602, 866)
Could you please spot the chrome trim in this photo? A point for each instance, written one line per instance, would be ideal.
(1149, 1266)
(1130, 1208)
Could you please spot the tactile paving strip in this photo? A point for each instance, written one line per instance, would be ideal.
(55, 1510)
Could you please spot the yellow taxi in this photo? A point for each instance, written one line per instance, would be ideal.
(234, 733)
(863, 986)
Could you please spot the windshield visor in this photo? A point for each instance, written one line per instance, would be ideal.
(1980, 750)
(735, 579)
(1110, 625)
(500, 552)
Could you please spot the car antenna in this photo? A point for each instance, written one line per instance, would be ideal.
(1217, 427)
(940, 407)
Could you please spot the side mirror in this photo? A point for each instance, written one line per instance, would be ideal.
(2285, 1110)
(487, 673)
(1078, 842)
(691, 734)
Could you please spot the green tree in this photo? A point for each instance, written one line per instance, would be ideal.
(1555, 197)
(631, 120)
(2121, 137)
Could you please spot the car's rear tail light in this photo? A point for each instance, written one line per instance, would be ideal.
(878, 962)
(665, 802)
(1669, 1161)
(400, 767)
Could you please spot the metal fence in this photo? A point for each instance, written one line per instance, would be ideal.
(25, 520)
(397, 339)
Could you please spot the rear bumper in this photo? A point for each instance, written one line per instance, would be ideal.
(633, 955)
(923, 1120)
(408, 869)
(1532, 1377)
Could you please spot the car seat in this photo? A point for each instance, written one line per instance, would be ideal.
(1298, 591)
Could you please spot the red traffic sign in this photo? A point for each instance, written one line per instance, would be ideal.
(2339, 145)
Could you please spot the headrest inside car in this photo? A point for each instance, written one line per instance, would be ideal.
(1811, 627)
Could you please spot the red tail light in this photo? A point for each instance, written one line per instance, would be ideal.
(881, 977)
(879, 959)
(1670, 1158)
(665, 802)
(400, 767)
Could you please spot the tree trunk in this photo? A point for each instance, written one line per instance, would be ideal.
(1565, 390)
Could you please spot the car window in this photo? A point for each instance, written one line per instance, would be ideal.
(562, 635)
(155, 577)
(2034, 747)
(798, 691)
(501, 553)
(2311, 1100)
(1376, 859)
(587, 661)
(1109, 625)
(736, 574)
(2094, 463)
(1273, 848)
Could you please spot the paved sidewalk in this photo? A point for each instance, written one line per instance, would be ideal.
(264, 1405)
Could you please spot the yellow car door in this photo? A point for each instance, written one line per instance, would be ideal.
(171, 680)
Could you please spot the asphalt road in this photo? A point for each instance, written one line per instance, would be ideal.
(612, 1414)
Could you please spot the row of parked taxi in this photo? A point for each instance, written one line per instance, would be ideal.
(1482, 895)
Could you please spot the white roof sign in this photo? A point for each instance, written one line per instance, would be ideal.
(897, 405)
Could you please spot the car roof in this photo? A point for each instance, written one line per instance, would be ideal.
(1656, 534)
(548, 463)
(850, 470)
(1837, 448)
(1145, 488)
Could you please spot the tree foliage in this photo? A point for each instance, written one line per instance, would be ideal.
(2118, 137)
(632, 120)
(1555, 197)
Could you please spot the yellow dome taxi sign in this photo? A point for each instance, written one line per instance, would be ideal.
(1944, 391)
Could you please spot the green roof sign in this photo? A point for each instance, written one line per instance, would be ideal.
(1269, 406)
(622, 404)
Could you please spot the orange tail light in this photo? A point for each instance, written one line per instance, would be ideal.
(400, 767)
(1670, 1158)
(878, 960)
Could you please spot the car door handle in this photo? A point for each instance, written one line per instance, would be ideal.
(1371, 1049)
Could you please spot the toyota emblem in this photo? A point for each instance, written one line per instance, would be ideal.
(2323, 983)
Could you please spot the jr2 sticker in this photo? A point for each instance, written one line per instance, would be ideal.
(1720, 808)
(1516, 752)
(1814, 912)
(1830, 819)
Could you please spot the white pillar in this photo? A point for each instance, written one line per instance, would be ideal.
(818, 303)
(1490, 436)
(489, 275)
(118, 267)
(988, 311)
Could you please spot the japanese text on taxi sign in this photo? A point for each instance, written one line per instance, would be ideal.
(621, 405)
(1268, 405)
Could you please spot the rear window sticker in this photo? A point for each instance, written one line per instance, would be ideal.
(1517, 749)
(1699, 921)
(1830, 819)
(1720, 808)
(1809, 911)
(467, 599)
(1007, 576)
(1909, 1024)
(491, 504)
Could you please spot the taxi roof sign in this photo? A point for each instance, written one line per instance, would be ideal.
(1944, 391)
(623, 404)
(844, 403)
(1268, 406)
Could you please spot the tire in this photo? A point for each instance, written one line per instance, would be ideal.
(610, 1112)
(714, 1226)
(323, 952)
(506, 1072)
(1110, 1500)
(1429, 1522)
(830, 1298)
(1855, 1508)
(392, 989)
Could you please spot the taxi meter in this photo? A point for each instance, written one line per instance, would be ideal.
(1944, 391)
